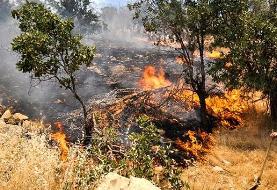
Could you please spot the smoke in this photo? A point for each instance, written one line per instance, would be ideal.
(47, 98)
(14, 83)
(121, 29)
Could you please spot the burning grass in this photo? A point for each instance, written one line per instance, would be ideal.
(228, 109)
(60, 138)
(196, 145)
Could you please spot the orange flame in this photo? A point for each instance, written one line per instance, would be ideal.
(228, 109)
(153, 79)
(60, 138)
(197, 143)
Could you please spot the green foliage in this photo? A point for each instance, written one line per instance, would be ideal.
(249, 30)
(80, 10)
(47, 46)
(49, 50)
(138, 159)
(147, 152)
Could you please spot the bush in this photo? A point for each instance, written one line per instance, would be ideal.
(144, 156)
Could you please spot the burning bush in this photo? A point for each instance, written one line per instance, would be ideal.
(228, 109)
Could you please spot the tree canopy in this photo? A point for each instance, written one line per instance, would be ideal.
(81, 11)
(189, 24)
(249, 29)
(48, 48)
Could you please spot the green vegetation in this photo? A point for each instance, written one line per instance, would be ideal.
(82, 11)
(249, 30)
(141, 158)
(49, 50)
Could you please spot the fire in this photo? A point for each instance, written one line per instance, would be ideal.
(153, 79)
(215, 54)
(195, 143)
(218, 53)
(228, 109)
(60, 138)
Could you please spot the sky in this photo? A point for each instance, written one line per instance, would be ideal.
(116, 3)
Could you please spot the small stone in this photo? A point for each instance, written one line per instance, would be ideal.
(218, 169)
(7, 115)
(20, 117)
(113, 181)
(141, 184)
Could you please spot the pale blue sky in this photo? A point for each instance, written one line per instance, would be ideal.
(116, 3)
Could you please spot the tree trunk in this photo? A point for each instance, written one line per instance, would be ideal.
(205, 121)
(201, 91)
(88, 125)
(273, 104)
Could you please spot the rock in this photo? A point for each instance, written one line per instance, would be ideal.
(218, 169)
(113, 181)
(141, 184)
(7, 115)
(20, 117)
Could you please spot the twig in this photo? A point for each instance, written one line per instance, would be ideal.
(258, 180)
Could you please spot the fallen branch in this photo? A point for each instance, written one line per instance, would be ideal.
(258, 180)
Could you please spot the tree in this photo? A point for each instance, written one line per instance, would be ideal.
(188, 23)
(82, 11)
(249, 29)
(49, 50)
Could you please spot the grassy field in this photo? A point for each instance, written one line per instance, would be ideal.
(237, 158)
(27, 161)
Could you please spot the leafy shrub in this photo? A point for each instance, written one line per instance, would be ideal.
(145, 156)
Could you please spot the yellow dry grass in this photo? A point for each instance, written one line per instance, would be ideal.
(26, 160)
(240, 154)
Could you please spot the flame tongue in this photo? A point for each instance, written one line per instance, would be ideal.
(228, 109)
(153, 79)
(60, 138)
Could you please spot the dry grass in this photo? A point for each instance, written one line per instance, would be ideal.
(26, 160)
(240, 154)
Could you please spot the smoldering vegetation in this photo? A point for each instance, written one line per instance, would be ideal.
(122, 53)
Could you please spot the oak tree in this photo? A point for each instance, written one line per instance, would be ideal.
(249, 29)
(189, 24)
(50, 51)
(80, 10)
